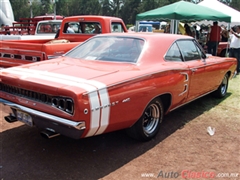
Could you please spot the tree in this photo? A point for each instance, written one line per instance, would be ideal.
(106, 8)
(62, 7)
(47, 7)
(226, 1)
(129, 11)
(21, 8)
(116, 6)
(80, 7)
(147, 5)
(235, 4)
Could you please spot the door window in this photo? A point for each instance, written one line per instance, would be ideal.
(189, 50)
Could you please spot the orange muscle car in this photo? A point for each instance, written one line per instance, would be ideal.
(112, 82)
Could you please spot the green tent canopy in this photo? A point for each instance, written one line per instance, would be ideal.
(183, 11)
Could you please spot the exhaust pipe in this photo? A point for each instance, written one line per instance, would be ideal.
(10, 119)
(49, 134)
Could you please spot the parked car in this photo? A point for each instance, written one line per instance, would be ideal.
(112, 82)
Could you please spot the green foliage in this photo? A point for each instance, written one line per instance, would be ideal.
(130, 10)
(235, 4)
(20, 8)
(129, 25)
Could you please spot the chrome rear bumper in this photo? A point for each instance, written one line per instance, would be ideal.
(46, 121)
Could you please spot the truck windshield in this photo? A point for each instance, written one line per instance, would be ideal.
(108, 48)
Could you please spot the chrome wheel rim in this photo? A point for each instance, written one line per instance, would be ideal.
(151, 119)
(224, 85)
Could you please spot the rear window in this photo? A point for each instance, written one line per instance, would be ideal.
(114, 49)
(48, 27)
(82, 28)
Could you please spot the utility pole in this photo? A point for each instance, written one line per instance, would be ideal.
(54, 7)
(30, 4)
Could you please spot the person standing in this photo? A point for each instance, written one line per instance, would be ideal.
(2, 28)
(188, 31)
(214, 37)
(225, 35)
(235, 46)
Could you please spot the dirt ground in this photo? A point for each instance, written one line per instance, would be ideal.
(183, 149)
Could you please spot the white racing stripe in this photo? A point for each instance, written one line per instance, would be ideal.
(97, 93)
(104, 98)
(95, 114)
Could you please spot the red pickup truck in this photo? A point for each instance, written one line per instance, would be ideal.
(73, 30)
(223, 49)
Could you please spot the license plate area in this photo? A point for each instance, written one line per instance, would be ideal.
(24, 117)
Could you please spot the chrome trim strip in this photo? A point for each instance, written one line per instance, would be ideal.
(76, 125)
(53, 56)
(192, 100)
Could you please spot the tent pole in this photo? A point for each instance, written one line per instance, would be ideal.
(176, 26)
(228, 42)
(172, 27)
(136, 26)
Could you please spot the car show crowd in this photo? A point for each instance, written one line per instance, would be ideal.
(209, 37)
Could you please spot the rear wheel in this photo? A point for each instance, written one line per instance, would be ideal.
(149, 123)
(222, 89)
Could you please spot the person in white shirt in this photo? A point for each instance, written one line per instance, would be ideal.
(235, 46)
(70, 30)
(67, 28)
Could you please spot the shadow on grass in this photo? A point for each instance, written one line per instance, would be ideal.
(26, 155)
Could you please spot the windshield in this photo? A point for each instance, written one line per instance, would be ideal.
(115, 49)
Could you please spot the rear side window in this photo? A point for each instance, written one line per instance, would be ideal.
(116, 27)
(173, 53)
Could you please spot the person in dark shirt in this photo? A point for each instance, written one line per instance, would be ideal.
(197, 34)
(188, 30)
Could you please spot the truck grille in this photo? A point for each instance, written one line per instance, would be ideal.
(63, 103)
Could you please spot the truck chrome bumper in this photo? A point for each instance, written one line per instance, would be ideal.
(46, 121)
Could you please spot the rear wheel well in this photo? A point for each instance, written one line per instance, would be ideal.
(166, 101)
(229, 74)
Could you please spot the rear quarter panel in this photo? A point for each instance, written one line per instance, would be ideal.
(129, 99)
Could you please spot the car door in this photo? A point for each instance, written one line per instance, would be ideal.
(196, 64)
(215, 71)
(181, 73)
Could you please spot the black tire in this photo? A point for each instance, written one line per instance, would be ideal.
(149, 123)
(222, 89)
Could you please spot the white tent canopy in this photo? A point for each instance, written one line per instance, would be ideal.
(216, 5)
